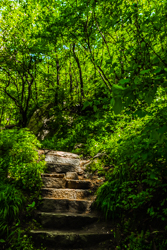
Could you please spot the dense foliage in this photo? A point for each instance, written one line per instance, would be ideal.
(20, 183)
(88, 77)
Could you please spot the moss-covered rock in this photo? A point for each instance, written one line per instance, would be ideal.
(38, 121)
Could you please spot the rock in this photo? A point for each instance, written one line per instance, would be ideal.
(53, 175)
(52, 153)
(38, 121)
(62, 162)
(78, 184)
(65, 220)
(73, 239)
(66, 193)
(54, 182)
(65, 205)
(71, 175)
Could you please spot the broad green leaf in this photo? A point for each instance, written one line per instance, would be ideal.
(137, 80)
(2, 241)
(162, 130)
(153, 176)
(123, 81)
(86, 104)
(116, 87)
(157, 71)
(95, 108)
(118, 106)
(144, 71)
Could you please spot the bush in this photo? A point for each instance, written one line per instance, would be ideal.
(138, 154)
(19, 158)
(135, 190)
(11, 201)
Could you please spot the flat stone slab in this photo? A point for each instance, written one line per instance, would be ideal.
(66, 193)
(78, 184)
(65, 220)
(55, 175)
(58, 153)
(54, 182)
(52, 159)
(72, 239)
(66, 205)
(64, 168)
(62, 162)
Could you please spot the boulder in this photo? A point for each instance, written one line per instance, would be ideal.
(38, 122)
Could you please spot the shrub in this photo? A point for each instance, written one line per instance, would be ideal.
(11, 201)
(19, 158)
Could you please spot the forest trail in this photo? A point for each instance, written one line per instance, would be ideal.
(66, 214)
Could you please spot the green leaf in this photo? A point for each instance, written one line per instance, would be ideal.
(32, 205)
(144, 156)
(137, 80)
(95, 108)
(118, 106)
(157, 71)
(109, 61)
(2, 241)
(163, 129)
(154, 134)
(161, 139)
(86, 104)
(116, 88)
(123, 81)
(143, 44)
(149, 99)
(144, 71)
(153, 176)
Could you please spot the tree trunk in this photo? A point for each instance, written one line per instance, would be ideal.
(80, 71)
(58, 79)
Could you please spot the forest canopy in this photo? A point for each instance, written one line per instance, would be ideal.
(75, 51)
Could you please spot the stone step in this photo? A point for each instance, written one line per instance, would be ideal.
(52, 182)
(62, 163)
(67, 193)
(65, 220)
(105, 245)
(49, 182)
(48, 152)
(65, 205)
(74, 239)
(61, 167)
(55, 175)
(78, 184)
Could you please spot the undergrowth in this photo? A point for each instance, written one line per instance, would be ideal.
(20, 183)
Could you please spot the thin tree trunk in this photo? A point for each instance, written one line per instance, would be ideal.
(80, 71)
(58, 79)
(71, 80)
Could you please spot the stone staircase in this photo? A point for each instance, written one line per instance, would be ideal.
(66, 215)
